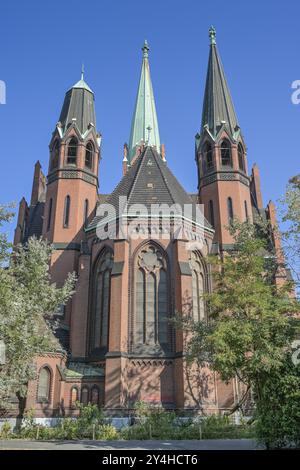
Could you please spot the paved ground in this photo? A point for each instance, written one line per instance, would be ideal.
(216, 444)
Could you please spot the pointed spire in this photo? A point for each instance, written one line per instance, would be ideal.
(218, 107)
(81, 83)
(78, 106)
(144, 127)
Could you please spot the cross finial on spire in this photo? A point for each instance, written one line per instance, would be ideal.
(82, 72)
(145, 49)
(212, 35)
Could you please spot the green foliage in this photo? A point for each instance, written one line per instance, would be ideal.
(28, 300)
(248, 329)
(290, 221)
(278, 410)
(5, 431)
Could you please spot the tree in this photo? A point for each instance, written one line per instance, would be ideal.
(248, 331)
(290, 214)
(28, 300)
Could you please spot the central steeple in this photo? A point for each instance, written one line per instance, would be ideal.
(144, 127)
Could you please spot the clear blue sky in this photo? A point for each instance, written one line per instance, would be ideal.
(44, 43)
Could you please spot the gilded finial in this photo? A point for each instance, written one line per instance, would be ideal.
(212, 35)
(82, 72)
(145, 49)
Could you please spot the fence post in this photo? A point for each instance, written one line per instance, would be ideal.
(37, 432)
(150, 433)
(93, 431)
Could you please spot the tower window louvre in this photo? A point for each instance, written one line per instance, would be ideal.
(241, 157)
(226, 153)
(72, 152)
(208, 157)
(54, 155)
(89, 152)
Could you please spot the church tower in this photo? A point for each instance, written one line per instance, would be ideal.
(223, 181)
(72, 182)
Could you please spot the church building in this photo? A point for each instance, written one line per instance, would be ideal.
(117, 343)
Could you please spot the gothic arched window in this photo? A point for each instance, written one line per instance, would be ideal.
(73, 397)
(151, 298)
(95, 395)
(49, 214)
(211, 213)
(54, 155)
(198, 286)
(84, 395)
(246, 210)
(44, 383)
(72, 152)
(241, 157)
(102, 300)
(208, 157)
(230, 210)
(85, 212)
(226, 153)
(89, 152)
(67, 211)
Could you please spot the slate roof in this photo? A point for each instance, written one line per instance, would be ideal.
(148, 181)
(79, 105)
(36, 214)
(217, 106)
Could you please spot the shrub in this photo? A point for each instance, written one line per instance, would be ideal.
(6, 431)
(107, 432)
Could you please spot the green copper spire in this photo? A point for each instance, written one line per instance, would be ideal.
(144, 126)
(218, 107)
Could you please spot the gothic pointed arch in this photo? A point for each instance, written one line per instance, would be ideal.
(152, 309)
(199, 286)
(101, 301)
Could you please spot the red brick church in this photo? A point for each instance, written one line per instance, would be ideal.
(116, 343)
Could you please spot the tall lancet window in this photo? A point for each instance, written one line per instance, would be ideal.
(198, 286)
(226, 153)
(230, 210)
(152, 325)
(89, 151)
(72, 152)
(241, 156)
(67, 211)
(54, 155)
(208, 157)
(100, 324)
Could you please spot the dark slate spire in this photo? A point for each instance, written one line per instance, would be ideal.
(218, 107)
(78, 107)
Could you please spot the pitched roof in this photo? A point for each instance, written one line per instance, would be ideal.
(149, 181)
(217, 106)
(144, 126)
